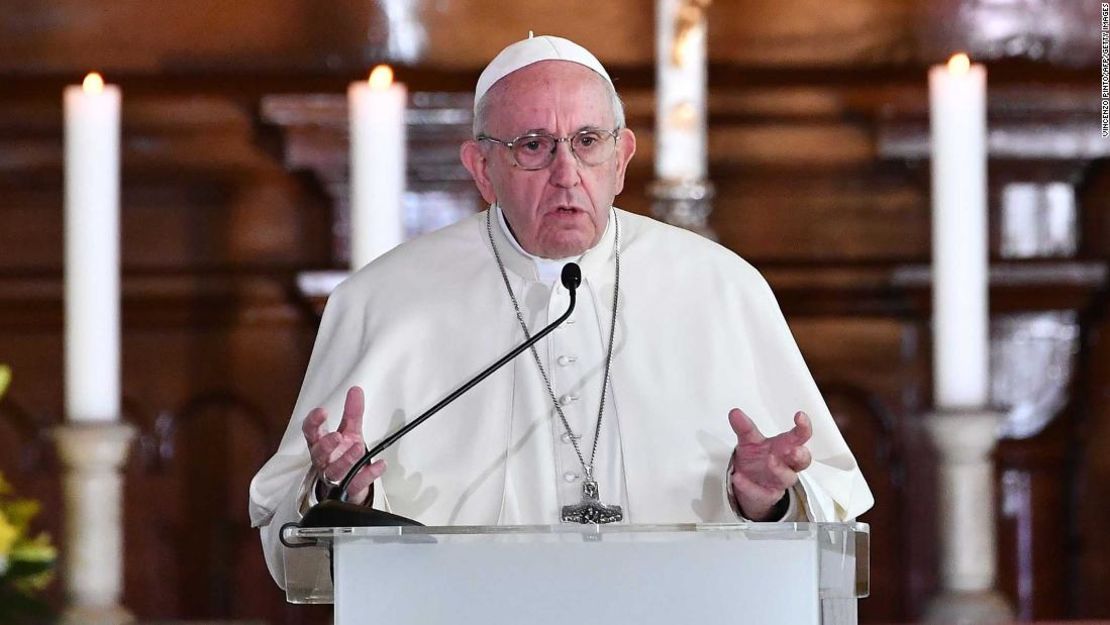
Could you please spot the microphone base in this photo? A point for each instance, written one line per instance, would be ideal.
(332, 513)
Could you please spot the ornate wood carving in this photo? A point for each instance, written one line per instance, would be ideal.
(1057, 31)
(439, 191)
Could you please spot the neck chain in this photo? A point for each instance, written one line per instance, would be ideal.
(591, 510)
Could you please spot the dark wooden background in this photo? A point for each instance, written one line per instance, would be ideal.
(221, 214)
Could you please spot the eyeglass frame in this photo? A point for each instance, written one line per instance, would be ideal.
(614, 133)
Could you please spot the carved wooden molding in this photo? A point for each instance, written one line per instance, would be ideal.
(1060, 123)
(173, 299)
(1062, 32)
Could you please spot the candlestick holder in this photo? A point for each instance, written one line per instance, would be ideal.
(93, 455)
(684, 203)
(965, 440)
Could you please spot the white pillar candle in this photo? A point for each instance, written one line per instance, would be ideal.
(92, 256)
(377, 127)
(680, 79)
(957, 109)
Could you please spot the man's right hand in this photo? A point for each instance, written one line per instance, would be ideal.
(334, 453)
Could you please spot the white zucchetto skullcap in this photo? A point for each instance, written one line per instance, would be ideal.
(533, 50)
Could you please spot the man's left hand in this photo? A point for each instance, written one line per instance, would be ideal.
(763, 468)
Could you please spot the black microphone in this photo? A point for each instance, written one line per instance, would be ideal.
(336, 511)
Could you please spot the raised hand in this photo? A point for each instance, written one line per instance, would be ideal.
(763, 468)
(334, 453)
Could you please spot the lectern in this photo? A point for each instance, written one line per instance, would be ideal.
(758, 573)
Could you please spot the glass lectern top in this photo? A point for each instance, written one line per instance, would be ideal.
(841, 550)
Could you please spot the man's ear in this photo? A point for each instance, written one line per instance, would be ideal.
(626, 147)
(475, 162)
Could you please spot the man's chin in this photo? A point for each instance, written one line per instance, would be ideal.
(566, 246)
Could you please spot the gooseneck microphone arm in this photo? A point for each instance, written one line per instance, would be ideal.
(571, 278)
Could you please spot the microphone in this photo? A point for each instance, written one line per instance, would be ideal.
(336, 511)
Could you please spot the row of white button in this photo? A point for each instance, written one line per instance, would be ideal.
(568, 399)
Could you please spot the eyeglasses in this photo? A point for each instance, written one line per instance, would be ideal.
(536, 150)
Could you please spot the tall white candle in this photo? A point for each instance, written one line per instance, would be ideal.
(377, 123)
(680, 79)
(92, 257)
(957, 108)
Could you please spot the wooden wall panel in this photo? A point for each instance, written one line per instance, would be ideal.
(868, 401)
(272, 35)
(74, 36)
(1034, 528)
(1089, 497)
(821, 216)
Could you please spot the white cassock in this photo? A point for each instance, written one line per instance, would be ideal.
(698, 333)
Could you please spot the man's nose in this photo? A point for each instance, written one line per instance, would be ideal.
(564, 169)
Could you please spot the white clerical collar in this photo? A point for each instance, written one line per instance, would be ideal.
(547, 270)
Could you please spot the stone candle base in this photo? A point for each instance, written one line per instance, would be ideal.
(984, 607)
(94, 615)
(686, 204)
(965, 440)
(92, 455)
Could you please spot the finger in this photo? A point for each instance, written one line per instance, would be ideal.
(798, 459)
(802, 430)
(782, 476)
(342, 462)
(365, 477)
(743, 487)
(360, 486)
(352, 412)
(313, 425)
(323, 451)
(746, 432)
(332, 460)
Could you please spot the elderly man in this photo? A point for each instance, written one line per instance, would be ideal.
(675, 391)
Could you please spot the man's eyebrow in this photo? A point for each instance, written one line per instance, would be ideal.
(545, 131)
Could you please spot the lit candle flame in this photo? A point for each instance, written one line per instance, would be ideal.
(381, 78)
(959, 63)
(93, 83)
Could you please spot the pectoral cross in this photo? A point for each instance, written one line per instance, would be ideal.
(591, 510)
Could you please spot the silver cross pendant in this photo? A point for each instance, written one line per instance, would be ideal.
(591, 510)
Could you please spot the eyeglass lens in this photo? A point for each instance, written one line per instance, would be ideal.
(592, 147)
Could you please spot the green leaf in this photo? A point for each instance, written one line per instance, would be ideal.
(18, 569)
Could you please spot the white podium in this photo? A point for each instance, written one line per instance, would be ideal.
(758, 573)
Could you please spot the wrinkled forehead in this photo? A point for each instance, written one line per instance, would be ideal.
(535, 95)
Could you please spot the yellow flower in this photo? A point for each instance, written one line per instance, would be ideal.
(39, 552)
(35, 557)
(37, 549)
(9, 533)
(5, 378)
(20, 512)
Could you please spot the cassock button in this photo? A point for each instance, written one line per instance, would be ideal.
(570, 477)
(568, 399)
(566, 437)
(566, 360)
